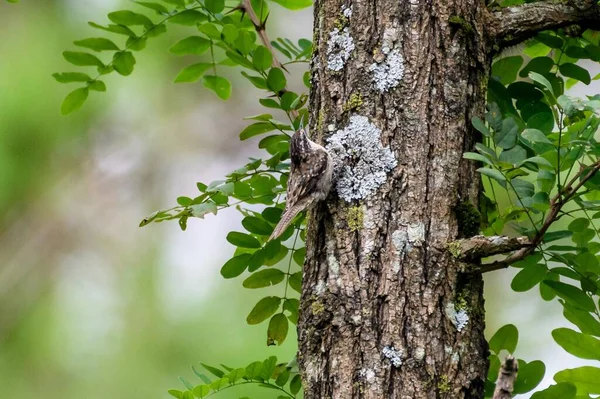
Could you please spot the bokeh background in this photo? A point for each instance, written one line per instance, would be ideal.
(91, 305)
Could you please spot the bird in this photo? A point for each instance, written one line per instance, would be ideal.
(310, 178)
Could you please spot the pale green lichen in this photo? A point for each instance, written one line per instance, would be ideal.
(454, 249)
(444, 385)
(317, 308)
(353, 102)
(355, 218)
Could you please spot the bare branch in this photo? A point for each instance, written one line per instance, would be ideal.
(513, 25)
(478, 247)
(506, 379)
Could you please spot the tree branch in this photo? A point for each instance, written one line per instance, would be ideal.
(478, 247)
(513, 25)
(506, 379)
(472, 249)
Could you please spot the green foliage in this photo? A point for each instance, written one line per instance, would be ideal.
(539, 150)
(282, 377)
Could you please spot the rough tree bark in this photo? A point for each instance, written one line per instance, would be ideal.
(385, 311)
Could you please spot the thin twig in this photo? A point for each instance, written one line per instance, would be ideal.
(260, 27)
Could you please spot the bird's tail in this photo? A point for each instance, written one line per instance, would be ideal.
(286, 219)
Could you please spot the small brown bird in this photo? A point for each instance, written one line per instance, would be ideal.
(310, 178)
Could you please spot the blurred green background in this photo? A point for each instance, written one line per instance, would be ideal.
(92, 306)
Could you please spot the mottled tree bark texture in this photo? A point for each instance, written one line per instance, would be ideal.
(385, 312)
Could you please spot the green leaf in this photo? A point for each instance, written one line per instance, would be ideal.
(530, 375)
(218, 84)
(262, 58)
(480, 126)
(543, 121)
(190, 45)
(252, 370)
(159, 8)
(493, 173)
(188, 17)
(192, 73)
(214, 6)
(242, 240)
(210, 30)
(278, 329)
(578, 224)
(257, 226)
(295, 384)
(505, 338)
(97, 85)
(477, 157)
(506, 137)
(74, 100)
(514, 156)
(577, 344)
(276, 80)
(299, 256)
(219, 384)
(264, 278)
(550, 40)
(294, 4)
(241, 189)
(573, 295)
(506, 68)
(556, 235)
(235, 266)
(575, 72)
(244, 42)
(533, 138)
(97, 44)
(540, 65)
(264, 309)
(559, 391)
(256, 129)
(124, 61)
(82, 59)
(200, 210)
(69, 77)
(525, 91)
(213, 370)
(583, 320)
(175, 393)
(118, 29)
(235, 375)
(528, 278)
(295, 282)
(201, 391)
(268, 368)
(545, 83)
(130, 18)
(586, 379)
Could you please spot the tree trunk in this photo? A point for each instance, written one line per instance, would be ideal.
(385, 312)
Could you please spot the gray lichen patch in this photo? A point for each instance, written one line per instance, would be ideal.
(339, 48)
(388, 69)
(361, 161)
(394, 355)
(458, 317)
